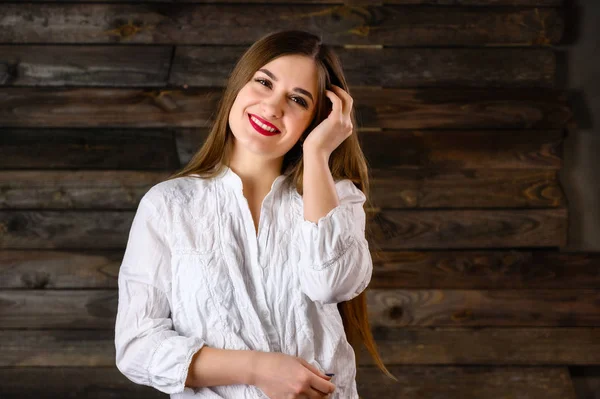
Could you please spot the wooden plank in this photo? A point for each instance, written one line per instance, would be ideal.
(139, 66)
(483, 308)
(467, 383)
(522, 346)
(84, 309)
(397, 346)
(58, 309)
(461, 269)
(472, 188)
(408, 189)
(453, 150)
(392, 67)
(391, 229)
(444, 151)
(446, 229)
(414, 382)
(391, 151)
(229, 24)
(48, 65)
(148, 149)
(59, 269)
(72, 382)
(379, 108)
(105, 189)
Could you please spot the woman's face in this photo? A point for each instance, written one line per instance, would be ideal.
(281, 94)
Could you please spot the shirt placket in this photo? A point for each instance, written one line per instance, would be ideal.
(258, 270)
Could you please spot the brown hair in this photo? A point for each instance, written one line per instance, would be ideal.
(346, 162)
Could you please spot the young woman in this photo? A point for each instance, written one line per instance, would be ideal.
(244, 273)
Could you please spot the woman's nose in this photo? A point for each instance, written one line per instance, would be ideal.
(272, 107)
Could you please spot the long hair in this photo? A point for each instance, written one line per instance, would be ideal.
(346, 162)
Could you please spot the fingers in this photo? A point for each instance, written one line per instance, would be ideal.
(312, 368)
(342, 106)
(324, 387)
(320, 381)
(315, 394)
(337, 106)
(346, 99)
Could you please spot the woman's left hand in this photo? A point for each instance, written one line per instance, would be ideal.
(334, 129)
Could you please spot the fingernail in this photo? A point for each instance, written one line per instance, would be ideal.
(329, 374)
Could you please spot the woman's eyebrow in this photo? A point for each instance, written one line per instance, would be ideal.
(298, 89)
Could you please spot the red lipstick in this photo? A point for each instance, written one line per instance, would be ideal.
(260, 129)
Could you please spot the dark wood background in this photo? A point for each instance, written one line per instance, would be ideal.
(460, 116)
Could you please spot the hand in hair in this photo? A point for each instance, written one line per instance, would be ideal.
(282, 376)
(334, 129)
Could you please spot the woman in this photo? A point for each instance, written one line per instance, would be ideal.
(235, 266)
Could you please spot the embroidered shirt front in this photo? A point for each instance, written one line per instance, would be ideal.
(196, 272)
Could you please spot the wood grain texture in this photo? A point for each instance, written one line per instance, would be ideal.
(467, 383)
(435, 151)
(48, 65)
(450, 269)
(392, 67)
(388, 151)
(142, 66)
(469, 149)
(484, 308)
(524, 346)
(376, 108)
(487, 269)
(441, 346)
(407, 189)
(106, 149)
(467, 188)
(96, 309)
(59, 270)
(88, 189)
(414, 383)
(227, 24)
(391, 229)
(446, 229)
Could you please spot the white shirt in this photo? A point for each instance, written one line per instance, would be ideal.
(195, 272)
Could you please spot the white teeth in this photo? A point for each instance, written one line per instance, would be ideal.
(259, 123)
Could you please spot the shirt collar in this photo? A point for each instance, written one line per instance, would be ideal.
(231, 179)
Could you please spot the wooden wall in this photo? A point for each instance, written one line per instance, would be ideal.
(474, 295)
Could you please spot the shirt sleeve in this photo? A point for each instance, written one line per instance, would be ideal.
(148, 350)
(335, 262)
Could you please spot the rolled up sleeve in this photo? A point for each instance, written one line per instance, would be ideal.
(148, 350)
(335, 262)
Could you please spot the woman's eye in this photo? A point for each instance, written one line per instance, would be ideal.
(300, 101)
(268, 84)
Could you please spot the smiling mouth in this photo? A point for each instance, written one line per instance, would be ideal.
(260, 129)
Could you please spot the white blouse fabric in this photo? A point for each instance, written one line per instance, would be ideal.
(195, 272)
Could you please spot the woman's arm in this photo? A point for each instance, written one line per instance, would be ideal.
(277, 374)
(148, 349)
(335, 262)
(212, 366)
(319, 193)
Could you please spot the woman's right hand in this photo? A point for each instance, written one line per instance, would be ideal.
(282, 376)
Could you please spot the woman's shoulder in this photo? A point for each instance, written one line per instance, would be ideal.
(177, 191)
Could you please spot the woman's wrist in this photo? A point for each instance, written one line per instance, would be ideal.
(251, 369)
(212, 366)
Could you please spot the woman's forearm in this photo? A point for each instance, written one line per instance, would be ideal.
(319, 193)
(212, 366)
